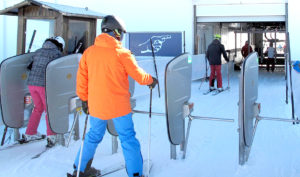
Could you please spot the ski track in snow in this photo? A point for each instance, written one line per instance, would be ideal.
(212, 149)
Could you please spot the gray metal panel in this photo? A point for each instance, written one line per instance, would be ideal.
(110, 124)
(1, 121)
(13, 78)
(247, 96)
(60, 88)
(296, 92)
(178, 78)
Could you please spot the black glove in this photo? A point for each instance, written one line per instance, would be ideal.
(155, 81)
(85, 107)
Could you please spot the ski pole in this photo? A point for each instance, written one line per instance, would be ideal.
(155, 68)
(78, 48)
(202, 80)
(205, 76)
(32, 38)
(4, 134)
(228, 86)
(290, 74)
(72, 129)
(149, 133)
(286, 81)
(228, 74)
(82, 143)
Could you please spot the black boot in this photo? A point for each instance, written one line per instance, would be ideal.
(137, 175)
(88, 172)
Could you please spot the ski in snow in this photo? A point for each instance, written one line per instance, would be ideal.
(218, 91)
(22, 142)
(107, 170)
(48, 146)
(208, 91)
(117, 167)
(42, 152)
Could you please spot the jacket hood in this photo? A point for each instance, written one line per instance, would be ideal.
(105, 40)
(216, 41)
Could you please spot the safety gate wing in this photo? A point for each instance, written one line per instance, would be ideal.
(60, 89)
(13, 84)
(178, 78)
(248, 95)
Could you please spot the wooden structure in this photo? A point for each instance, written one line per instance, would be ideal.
(72, 23)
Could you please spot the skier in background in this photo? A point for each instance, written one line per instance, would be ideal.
(103, 87)
(245, 50)
(271, 53)
(213, 54)
(52, 49)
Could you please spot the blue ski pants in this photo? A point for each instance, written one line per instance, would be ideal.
(130, 145)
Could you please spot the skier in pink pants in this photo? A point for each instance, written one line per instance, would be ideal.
(51, 50)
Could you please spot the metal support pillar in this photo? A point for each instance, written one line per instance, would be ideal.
(61, 139)
(16, 134)
(173, 151)
(76, 128)
(235, 46)
(187, 136)
(114, 142)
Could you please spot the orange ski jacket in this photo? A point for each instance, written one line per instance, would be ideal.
(102, 78)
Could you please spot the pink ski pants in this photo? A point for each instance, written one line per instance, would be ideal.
(39, 100)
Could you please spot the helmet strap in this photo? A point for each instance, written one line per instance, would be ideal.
(118, 34)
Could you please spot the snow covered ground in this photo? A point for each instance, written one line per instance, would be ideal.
(212, 149)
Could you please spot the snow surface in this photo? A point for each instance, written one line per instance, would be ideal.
(212, 148)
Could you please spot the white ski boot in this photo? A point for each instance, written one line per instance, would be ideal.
(37, 136)
(51, 140)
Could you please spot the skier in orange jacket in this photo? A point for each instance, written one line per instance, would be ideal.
(103, 87)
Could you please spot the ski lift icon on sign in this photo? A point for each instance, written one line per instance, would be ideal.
(157, 43)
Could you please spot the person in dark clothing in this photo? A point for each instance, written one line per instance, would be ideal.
(245, 50)
(213, 54)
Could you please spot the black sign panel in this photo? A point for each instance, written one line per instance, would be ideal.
(164, 43)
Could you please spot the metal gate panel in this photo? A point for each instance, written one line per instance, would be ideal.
(60, 89)
(13, 85)
(296, 90)
(178, 78)
(248, 93)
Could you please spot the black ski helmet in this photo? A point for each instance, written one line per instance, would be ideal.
(111, 23)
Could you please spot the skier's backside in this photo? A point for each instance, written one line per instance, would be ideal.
(52, 49)
(103, 87)
(213, 54)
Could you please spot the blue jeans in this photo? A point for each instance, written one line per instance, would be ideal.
(130, 145)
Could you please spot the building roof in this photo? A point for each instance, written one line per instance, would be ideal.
(63, 9)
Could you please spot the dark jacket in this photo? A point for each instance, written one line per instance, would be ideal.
(244, 50)
(214, 51)
(41, 58)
